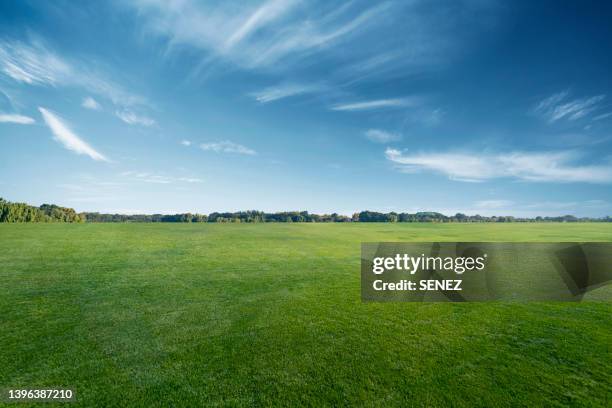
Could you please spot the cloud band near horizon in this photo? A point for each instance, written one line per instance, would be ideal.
(559, 167)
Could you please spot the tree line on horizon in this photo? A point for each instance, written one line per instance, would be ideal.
(21, 212)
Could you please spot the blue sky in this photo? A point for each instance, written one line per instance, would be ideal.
(176, 106)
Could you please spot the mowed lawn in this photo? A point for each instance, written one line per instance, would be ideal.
(270, 314)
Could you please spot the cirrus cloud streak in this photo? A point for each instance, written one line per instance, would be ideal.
(559, 167)
(71, 141)
(15, 118)
(375, 104)
(227, 146)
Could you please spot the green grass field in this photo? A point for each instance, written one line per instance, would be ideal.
(270, 314)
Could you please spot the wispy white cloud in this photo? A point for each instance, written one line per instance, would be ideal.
(119, 96)
(6, 100)
(132, 118)
(603, 116)
(375, 104)
(382, 136)
(253, 35)
(148, 177)
(190, 179)
(67, 137)
(266, 13)
(551, 102)
(457, 166)
(558, 106)
(15, 118)
(307, 36)
(34, 63)
(282, 91)
(471, 167)
(372, 64)
(90, 103)
(227, 146)
(186, 142)
(156, 178)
